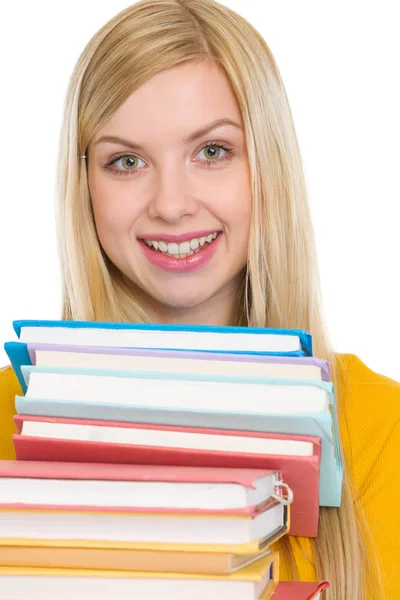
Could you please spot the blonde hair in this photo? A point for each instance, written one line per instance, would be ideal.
(281, 285)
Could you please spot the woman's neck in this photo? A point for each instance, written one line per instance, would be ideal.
(195, 315)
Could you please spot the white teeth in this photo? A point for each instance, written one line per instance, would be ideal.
(184, 248)
(173, 248)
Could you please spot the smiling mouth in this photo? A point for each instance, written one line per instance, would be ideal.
(184, 249)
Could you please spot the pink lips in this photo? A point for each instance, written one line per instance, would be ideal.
(182, 237)
(181, 265)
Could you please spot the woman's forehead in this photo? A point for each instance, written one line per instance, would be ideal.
(179, 100)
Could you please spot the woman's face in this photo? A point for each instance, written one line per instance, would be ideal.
(171, 195)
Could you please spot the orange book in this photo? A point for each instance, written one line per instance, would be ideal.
(258, 580)
(123, 559)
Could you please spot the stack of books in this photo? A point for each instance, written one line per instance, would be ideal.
(125, 432)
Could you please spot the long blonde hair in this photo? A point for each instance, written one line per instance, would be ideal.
(281, 285)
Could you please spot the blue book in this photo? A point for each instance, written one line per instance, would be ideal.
(322, 424)
(234, 340)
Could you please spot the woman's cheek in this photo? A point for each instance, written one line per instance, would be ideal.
(113, 211)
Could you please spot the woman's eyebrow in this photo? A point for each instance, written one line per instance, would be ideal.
(188, 140)
(207, 128)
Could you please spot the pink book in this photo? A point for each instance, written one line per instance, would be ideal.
(301, 473)
(123, 472)
(288, 590)
(144, 473)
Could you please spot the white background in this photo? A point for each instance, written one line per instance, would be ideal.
(340, 65)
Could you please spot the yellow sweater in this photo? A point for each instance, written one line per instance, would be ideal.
(369, 423)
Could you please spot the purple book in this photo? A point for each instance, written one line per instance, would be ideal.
(187, 354)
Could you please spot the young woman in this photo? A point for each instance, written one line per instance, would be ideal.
(182, 200)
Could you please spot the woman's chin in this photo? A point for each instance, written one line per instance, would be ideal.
(176, 299)
(171, 294)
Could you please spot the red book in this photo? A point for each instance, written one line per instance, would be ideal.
(301, 473)
(251, 500)
(288, 590)
(142, 506)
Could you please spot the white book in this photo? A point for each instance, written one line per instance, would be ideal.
(166, 439)
(142, 527)
(161, 338)
(260, 398)
(140, 493)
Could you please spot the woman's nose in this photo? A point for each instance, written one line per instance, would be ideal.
(172, 198)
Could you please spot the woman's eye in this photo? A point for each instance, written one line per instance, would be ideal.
(213, 153)
(129, 163)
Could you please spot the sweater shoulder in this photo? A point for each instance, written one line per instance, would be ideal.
(369, 414)
(368, 391)
(359, 373)
(370, 401)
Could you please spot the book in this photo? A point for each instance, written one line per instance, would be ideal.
(286, 590)
(256, 581)
(298, 457)
(195, 337)
(234, 531)
(54, 554)
(45, 500)
(139, 486)
(217, 549)
(139, 435)
(138, 359)
(177, 391)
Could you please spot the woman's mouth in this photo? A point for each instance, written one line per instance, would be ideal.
(181, 256)
(183, 249)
